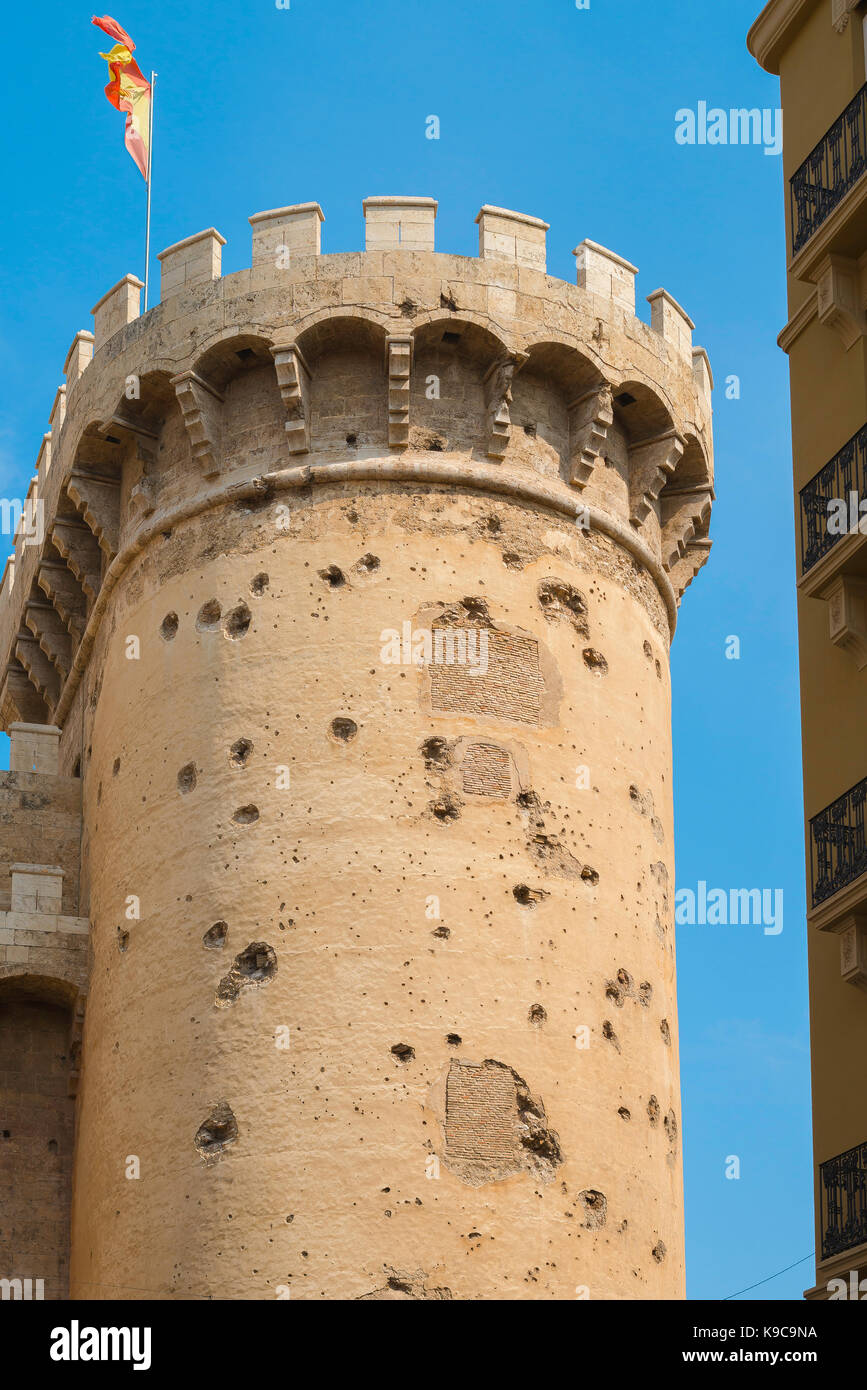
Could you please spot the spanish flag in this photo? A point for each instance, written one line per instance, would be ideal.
(129, 91)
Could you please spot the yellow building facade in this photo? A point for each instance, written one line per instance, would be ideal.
(817, 48)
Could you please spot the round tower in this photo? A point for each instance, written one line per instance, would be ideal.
(360, 574)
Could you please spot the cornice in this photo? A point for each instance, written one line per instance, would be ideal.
(771, 31)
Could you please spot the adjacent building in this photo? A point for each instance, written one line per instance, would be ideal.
(817, 47)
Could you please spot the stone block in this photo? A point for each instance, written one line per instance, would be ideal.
(118, 307)
(701, 370)
(78, 357)
(34, 748)
(283, 233)
(37, 888)
(604, 273)
(58, 411)
(194, 261)
(512, 236)
(671, 322)
(402, 224)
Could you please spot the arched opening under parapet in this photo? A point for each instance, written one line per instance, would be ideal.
(37, 1130)
(83, 536)
(552, 381)
(236, 354)
(640, 418)
(693, 470)
(451, 358)
(111, 458)
(141, 410)
(639, 413)
(685, 502)
(240, 369)
(145, 403)
(345, 356)
(151, 435)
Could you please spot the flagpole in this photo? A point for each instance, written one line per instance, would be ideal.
(154, 76)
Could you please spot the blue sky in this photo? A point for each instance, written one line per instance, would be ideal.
(569, 115)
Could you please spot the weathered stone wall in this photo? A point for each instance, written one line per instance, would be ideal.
(40, 822)
(383, 990)
(36, 1141)
(391, 889)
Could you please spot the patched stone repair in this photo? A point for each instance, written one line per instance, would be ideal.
(494, 1127)
(486, 770)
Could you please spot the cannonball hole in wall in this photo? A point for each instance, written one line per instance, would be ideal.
(333, 576)
(240, 752)
(209, 615)
(219, 1130)
(236, 623)
(215, 937)
(187, 779)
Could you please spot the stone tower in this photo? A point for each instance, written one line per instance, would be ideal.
(336, 644)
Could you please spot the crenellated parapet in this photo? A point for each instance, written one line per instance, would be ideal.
(395, 363)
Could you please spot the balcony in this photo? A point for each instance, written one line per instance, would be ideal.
(843, 1198)
(829, 172)
(838, 851)
(844, 474)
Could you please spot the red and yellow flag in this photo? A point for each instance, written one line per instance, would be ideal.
(128, 90)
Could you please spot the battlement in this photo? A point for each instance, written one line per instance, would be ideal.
(393, 223)
(470, 372)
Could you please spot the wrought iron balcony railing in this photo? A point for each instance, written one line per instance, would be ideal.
(844, 474)
(843, 1197)
(838, 849)
(829, 171)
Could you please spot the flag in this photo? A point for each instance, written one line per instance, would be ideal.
(128, 90)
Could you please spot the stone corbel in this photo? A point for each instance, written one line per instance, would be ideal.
(497, 385)
(293, 379)
(77, 545)
(142, 498)
(124, 427)
(839, 300)
(651, 464)
(591, 416)
(98, 500)
(685, 515)
(143, 493)
(38, 667)
(19, 700)
(62, 588)
(684, 570)
(398, 364)
(50, 632)
(840, 12)
(847, 616)
(202, 408)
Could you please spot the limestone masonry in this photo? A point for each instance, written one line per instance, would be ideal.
(351, 974)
